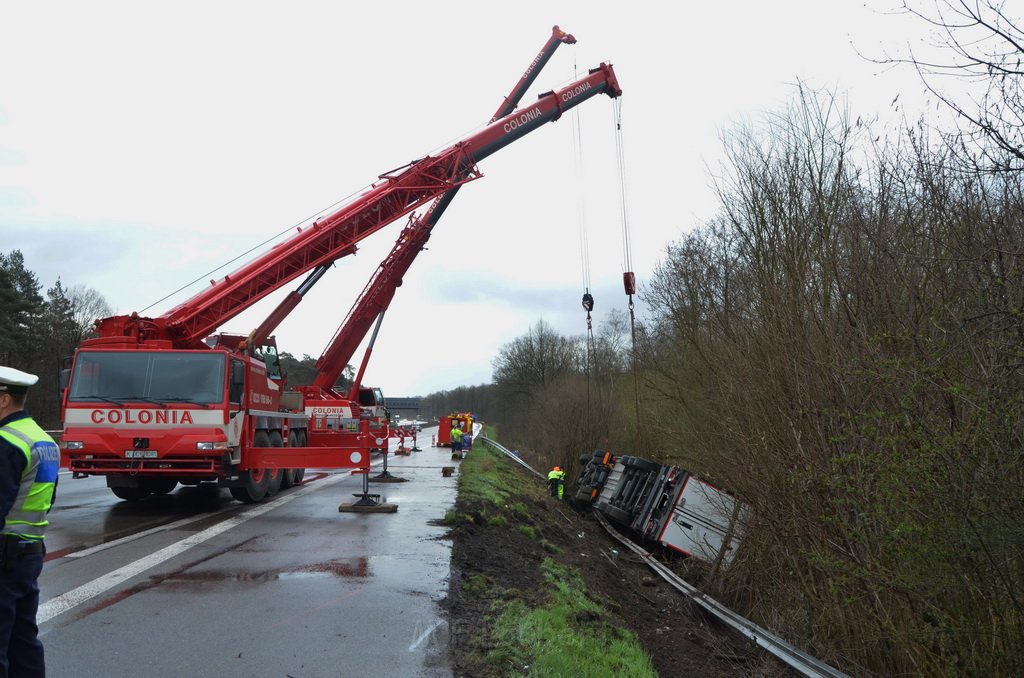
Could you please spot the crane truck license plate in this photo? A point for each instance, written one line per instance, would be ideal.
(140, 454)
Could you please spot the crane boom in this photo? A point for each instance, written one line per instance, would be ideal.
(398, 193)
(386, 279)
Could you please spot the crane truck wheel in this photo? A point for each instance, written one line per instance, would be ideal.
(160, 485)
(276, 474)
(288, 478)
(300, 473)
(130, 493)
(253, 483)
(253, 486)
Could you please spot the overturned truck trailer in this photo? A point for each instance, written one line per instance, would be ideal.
(664, 504)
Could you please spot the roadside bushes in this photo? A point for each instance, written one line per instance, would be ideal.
(842, 346)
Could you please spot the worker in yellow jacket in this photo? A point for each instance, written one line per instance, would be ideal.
(556, 482)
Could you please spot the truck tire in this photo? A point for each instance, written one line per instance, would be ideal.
(253, 483)
(288, 477)
(582, 495)
(130, 493)
(620, 516)
(253, 488)
(160, 485)
(276, 474)
(300, 473)
(640, 464)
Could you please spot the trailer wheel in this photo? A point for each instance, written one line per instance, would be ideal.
(582, 495)
(618, 515)
(640, 464)
(130, 493)
(253, 483)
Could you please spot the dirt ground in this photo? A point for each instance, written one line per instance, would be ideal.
(678, 638)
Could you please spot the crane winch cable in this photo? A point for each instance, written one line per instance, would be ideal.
(252, 249)
(581, 215)
(628, 277)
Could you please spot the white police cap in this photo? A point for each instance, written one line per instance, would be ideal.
(15, 381)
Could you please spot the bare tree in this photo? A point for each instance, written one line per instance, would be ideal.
(535, 359)
(87, 306)
(974, 68)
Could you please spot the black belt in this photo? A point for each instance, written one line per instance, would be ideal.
(12, 543)
(29, 548)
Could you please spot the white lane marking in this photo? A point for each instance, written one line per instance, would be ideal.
(75, 597)
(145, 533)
(426, 634)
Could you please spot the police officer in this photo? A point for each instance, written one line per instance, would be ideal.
(29, 462)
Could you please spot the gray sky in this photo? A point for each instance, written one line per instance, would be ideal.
(142, 145)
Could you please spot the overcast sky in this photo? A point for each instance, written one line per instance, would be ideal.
(143, 145)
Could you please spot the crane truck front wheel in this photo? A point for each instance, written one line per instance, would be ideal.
(130, 493)
(252, 486)
(253, 483)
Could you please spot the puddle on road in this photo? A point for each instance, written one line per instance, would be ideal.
(184, 578)
(349, 568)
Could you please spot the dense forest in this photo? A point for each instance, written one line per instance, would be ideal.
(841, 347)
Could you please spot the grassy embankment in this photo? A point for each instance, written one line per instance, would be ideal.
(541, 634)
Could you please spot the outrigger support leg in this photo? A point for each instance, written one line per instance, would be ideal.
(366, 502)
(386, 476)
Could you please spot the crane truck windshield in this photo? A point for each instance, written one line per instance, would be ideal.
(198, 378)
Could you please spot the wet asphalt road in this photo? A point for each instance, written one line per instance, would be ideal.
(197, 584)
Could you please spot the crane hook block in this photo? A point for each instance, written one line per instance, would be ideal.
(588, 302)
(629, 282)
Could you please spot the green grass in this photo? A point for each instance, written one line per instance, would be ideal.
(567, 633)
(567, 636)
(484, 476)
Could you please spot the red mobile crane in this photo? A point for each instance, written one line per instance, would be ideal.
(321, 397)
(152, 402)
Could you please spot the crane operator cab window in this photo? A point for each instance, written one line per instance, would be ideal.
(268, 354)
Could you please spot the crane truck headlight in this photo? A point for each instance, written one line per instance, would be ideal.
(72, 445)
(219, 445)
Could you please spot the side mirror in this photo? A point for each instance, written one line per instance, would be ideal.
(236, 386)
(63, 379)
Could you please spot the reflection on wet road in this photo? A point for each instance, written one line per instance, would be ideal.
(195, 583)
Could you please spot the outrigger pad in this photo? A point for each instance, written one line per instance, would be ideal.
(381, 478)
(367, 503)
(355, 507)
